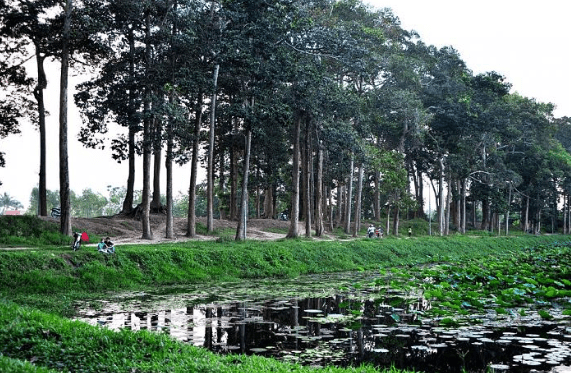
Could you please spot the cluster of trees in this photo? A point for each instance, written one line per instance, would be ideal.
(91, 204)
(328, 107)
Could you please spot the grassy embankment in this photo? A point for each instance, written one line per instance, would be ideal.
(38, 287)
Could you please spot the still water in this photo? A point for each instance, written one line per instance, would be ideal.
(340, 319)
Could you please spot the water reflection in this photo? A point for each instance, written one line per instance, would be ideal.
(377, 325)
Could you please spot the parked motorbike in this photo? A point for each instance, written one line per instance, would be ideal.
(56, 212)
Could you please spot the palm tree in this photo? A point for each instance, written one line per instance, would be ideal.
(6, 202)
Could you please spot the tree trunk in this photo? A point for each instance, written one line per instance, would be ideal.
(130, 192)
(269, 212)
(294, 216)
(377, 196)
(157, 155)
(448, 207)
(508, 210)
(457, 205)
(396, 220)
(485, 214)
(65, 217)
(319, 228)
(340, 205)
(388, 227)
(169, 229)
(210, 171)
(349, 197)
(526, 224)
(242, 221)
(191, 219)
(222, 186)
(133, 124)
(258, 194)
(233, 176)
(419, 186)
(307, 178)
(463, 212)
(146, 203)
(330, 210)
(565, 209)
(39, 95)
(358, 199)
(441, 197)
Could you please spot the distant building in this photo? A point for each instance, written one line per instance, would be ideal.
(12, 212)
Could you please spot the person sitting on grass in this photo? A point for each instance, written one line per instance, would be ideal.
(106, 246)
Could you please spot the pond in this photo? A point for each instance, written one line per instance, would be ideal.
(341, 319)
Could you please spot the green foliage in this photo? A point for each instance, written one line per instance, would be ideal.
(8, 365)
(24, 230)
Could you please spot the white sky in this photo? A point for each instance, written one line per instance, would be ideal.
(526, 41)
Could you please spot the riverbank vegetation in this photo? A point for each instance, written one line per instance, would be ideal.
(39, 288)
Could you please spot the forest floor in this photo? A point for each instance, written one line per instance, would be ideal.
(123, 230)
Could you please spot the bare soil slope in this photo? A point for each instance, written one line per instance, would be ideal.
(128, 230)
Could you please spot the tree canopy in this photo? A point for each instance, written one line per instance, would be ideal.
(327, 109)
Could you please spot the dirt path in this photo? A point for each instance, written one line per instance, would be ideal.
(123, 230)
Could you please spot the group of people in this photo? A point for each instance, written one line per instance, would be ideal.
(374, 232)
(106, 246)
(378, 232)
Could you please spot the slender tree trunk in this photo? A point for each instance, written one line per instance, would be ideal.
(377, 196)
(441, 197)
(340, 204)
(242, 221)
(420, 194)
(133, 124)
(349, 196)
(396, 220)
(448, 207)
(169, 229)
(508, 210)
(210, 171)
(233, 181)
(463, 212)
(65, 217)
(388, 227)
(39, 96)
(457, 205)
(358, 199)
(307, 178)
(169, 223)
(319, 228)
(526, 224)
(258, 194)
(157, 156)
(191, 219)
(146, 203)
(565, 209)
(222, 185)
(569, 214)
(294, 216)
(330, 208)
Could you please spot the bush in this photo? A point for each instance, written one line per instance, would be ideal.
(28, 230)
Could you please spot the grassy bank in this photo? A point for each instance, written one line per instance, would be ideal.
(38, 288)
(62, 274)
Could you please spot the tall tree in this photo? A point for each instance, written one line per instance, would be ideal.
(65, 218)
(31, 21)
